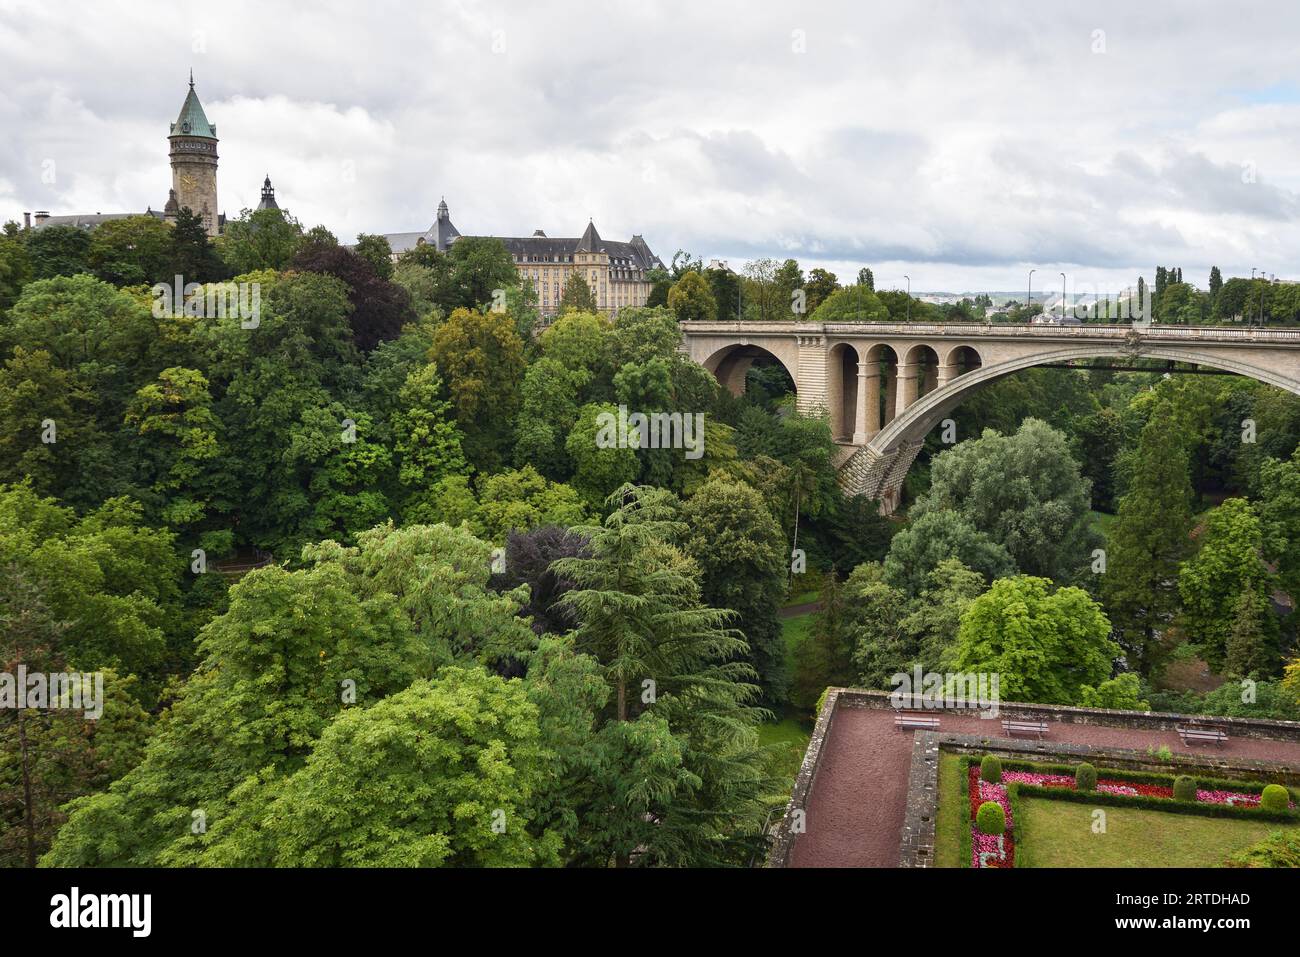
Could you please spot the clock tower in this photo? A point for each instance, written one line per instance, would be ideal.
(194, 161)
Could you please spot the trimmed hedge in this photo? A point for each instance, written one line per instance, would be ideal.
(1085, 777)
(990, 769)
(1171, 805)
(1137, 777)
(990, 818)
(1185, 788)
(1274, 798)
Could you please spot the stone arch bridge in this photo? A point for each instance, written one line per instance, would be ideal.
(885, 385)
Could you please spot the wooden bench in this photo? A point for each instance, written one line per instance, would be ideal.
(1018, 726)
(1194, 734)
(911, 721)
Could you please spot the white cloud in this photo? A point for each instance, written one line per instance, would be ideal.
(961, 145)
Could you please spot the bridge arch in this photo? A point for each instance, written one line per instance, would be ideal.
(732, 362)
(889, 455)
(842, 389)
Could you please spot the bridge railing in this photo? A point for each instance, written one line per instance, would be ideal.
(997, 330)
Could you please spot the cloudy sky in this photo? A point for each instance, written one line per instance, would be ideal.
(960, 144)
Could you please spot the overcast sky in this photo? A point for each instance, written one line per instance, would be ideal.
(961, 144)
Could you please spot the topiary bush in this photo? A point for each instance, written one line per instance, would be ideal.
(990, 818)
(1085, 777)
(1184, 788)
(991, 769)
(1274, 797)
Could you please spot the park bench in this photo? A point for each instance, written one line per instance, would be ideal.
(911, 721)
(1018, 726)
(1195, 734)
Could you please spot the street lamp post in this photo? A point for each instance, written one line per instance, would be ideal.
(1062, 298)
(1029, 293)
(909, 297)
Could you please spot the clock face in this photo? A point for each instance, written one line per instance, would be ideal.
(188, 182)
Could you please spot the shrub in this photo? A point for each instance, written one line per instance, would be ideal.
(1085, 777)
(991, 769)
(990, 818)
(1274, 798)
(1278, 850)
(1184, 788)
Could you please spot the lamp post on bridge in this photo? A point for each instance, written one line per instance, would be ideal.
(1062, 298)
(1029, 294)
(909, 296)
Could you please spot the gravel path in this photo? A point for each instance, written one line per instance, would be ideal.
(856, 808)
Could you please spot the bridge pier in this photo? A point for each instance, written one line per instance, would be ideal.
(907, 387)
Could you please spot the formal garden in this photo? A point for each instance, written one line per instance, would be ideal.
(997, 812)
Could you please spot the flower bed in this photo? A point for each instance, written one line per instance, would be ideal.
(995, 851)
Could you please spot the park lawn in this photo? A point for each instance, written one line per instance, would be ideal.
(793, 631)
(1059, 834)
(804, 597)
(953, 814)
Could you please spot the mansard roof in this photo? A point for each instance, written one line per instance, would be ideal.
(535, 248)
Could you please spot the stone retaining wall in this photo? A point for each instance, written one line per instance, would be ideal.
(1263, 728)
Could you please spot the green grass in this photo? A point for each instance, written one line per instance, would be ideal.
(1060, 834)
(1102, 521)
(788, 738)
(793, 631)
(953, 814)
(803, 597)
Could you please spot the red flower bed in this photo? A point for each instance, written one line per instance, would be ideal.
(1000, 851)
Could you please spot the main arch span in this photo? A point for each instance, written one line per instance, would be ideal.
(885, 385)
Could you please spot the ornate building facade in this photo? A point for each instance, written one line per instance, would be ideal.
(616, 272)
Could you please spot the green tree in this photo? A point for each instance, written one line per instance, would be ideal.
(520, 500)
(823, 659)
(482, 357)
(180, 439)
(1046, 645)
(577, 296)
(600, 465)
(426, 440)
(15, 270)
(1023, 491)
(679, 778)
(690, 298)
(1249, 651)
(1148, 541)
(259, 239)
(193, 257)
(376, 251)
(1279, 513)
(480, 266)
(930, 538)
(819, 287)
(547, 413)
(740, 551)
(855, 303)
(441, 774)
(132, 251)
(273, 673)
(1228, 562)
(58, 251)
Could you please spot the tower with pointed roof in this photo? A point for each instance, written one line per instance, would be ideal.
(194, 161)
